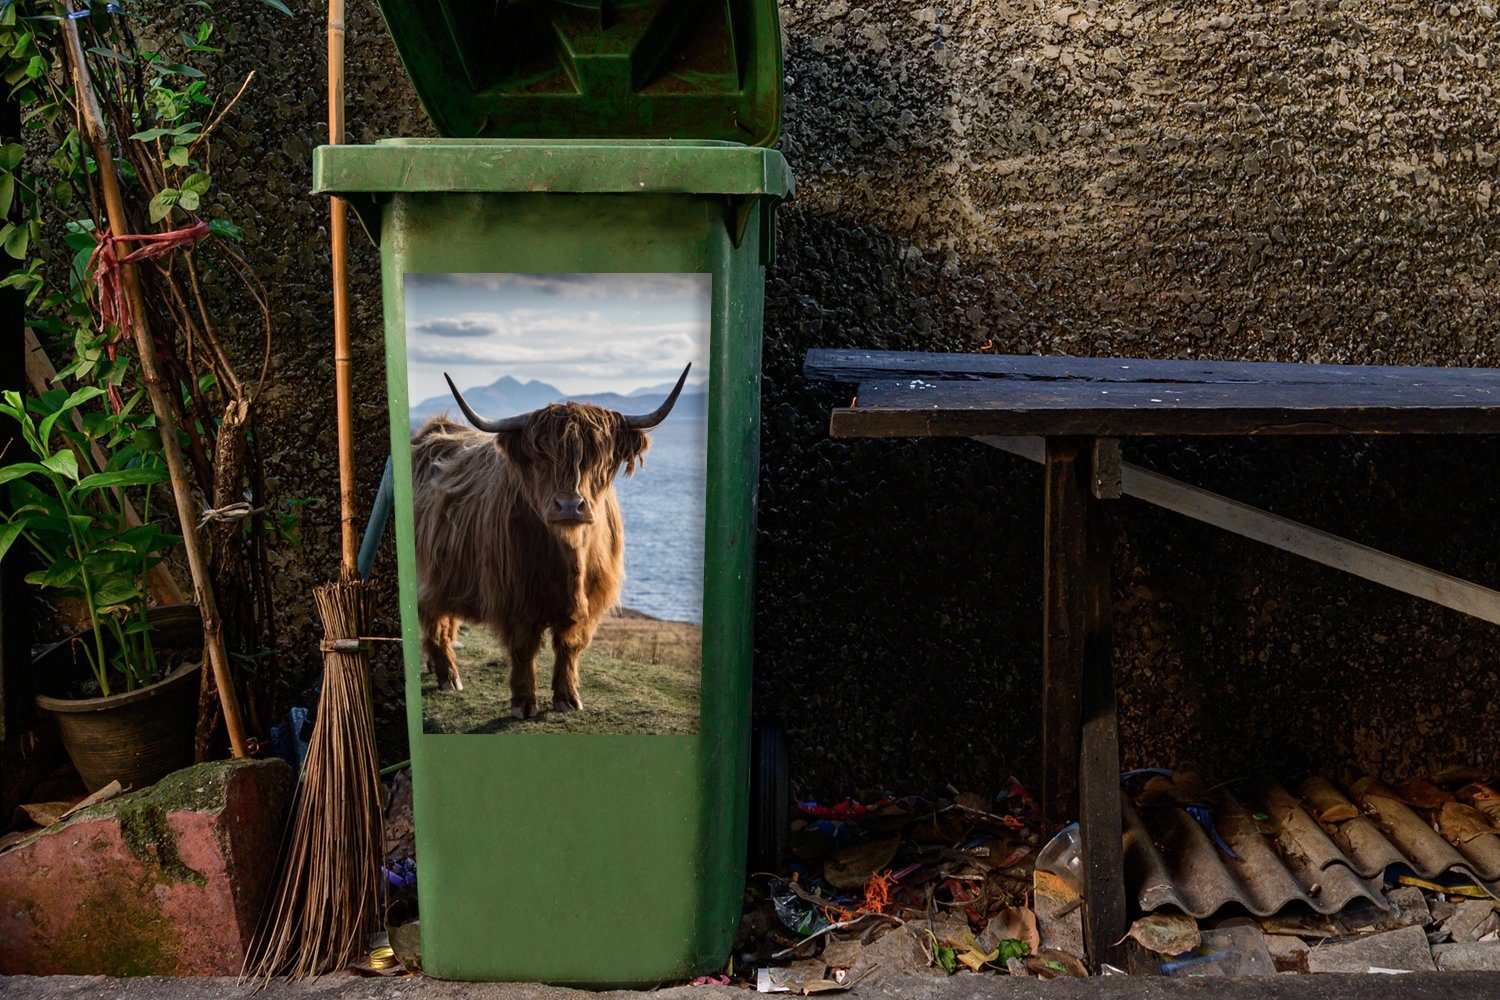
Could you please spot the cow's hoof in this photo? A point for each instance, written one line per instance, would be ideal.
(523, 708)
(566, 703)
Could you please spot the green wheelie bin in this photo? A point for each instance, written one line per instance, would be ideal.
(575, 273)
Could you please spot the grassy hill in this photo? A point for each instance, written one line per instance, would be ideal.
(640, 675)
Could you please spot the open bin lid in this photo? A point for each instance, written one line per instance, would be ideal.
(589, 69)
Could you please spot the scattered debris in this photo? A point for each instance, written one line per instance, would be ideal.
(1409, 906)
(1471, 920)
(907, 885)
(1383, 878)
(851, 867)
(400, 828)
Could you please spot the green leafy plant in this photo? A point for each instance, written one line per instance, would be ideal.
(153, 76)
(77, 521)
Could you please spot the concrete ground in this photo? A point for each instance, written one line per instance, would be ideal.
(1416, 986)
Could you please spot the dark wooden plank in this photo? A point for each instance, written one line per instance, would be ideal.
(1065, 589)
(928, 408)
(1283, 533)
(1100, 828)
(865, 366)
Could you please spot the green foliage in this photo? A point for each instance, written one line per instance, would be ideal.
(169, 107)
(1008, 949)
(75, 518)
(161, 110)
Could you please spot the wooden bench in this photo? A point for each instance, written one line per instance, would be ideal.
(1069, 414)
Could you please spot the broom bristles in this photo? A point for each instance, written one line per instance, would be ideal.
(327, 896)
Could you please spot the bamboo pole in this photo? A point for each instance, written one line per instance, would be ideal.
(161, 403)
(343, 361)
(327, 900)
(40, 372)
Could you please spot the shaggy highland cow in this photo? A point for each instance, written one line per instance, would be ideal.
(518, 529)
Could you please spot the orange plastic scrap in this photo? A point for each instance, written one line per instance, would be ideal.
(878, 892)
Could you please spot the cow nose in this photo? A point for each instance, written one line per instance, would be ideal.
(570, 508)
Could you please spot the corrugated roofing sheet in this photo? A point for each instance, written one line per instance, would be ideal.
(1324, 848)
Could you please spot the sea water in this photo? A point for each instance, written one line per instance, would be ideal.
(663, 507)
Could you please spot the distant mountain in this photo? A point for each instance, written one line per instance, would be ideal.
(507, 396)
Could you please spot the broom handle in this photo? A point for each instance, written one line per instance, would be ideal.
(338, 232)
(114, 205)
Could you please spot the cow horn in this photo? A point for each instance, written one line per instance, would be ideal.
(489, 426)
(646, 421)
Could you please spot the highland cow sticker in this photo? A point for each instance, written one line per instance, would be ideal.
(559, 461)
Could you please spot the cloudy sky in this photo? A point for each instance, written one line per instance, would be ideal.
(582, 333)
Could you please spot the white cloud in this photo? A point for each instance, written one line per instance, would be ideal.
(461, 325)
(593, 285)
(644, 354)
(579, 332)
(510, 325)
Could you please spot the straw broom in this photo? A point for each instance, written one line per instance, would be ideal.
(327, 901)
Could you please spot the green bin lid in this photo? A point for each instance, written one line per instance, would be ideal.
(589, 69)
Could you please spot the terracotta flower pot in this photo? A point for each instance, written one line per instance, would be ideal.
(136, 737)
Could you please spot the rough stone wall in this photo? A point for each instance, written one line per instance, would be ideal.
(1301, 181)
(265, 178)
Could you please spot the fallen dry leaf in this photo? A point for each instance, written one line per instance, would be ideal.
(1484, 798)
(1166, 933)
(104, 794)
(1053, 964)
(1423, 794)
(1016, 923)
(1460, 824)
(1458, 774)
(1338, 812)
(851, 867)
(48, 813)
(1371, 787)
(45, 813)
(1326, 802)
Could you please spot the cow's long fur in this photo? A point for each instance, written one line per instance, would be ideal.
(486, 554)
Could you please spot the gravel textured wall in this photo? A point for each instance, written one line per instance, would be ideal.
(1303, 181)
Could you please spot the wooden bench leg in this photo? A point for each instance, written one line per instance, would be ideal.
(1064, 587)
(1100, 826)
(1080, 735)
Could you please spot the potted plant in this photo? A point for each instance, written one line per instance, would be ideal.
(124, 699)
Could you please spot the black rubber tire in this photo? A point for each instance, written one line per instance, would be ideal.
(770, 798)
